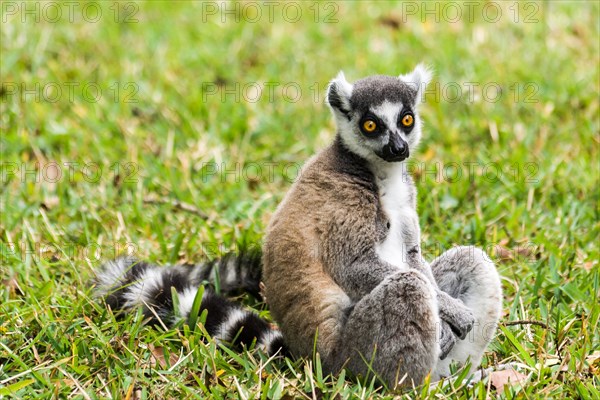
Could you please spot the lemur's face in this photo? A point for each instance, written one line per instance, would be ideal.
(377, 116)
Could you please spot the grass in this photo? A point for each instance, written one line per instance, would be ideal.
(178, 117)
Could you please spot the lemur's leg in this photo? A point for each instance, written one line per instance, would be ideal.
(468, 274)
(393, 331)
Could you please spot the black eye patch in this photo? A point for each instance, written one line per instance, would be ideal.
(406, 120)
(370, 125)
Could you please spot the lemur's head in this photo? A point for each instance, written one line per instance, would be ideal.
(377, 116)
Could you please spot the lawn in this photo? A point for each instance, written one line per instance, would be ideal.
(171, 130)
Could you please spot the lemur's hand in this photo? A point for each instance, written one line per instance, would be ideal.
(454, 312)
(447, 340)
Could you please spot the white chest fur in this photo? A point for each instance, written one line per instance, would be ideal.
(395, 196)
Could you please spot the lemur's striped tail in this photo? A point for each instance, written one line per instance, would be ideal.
(127, 284)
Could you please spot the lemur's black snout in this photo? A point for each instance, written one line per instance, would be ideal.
(395, 150)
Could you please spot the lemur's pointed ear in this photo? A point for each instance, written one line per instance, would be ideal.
(338, 94)
(419, 78)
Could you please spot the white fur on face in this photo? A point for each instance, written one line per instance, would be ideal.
(388, 112)
(355, 141)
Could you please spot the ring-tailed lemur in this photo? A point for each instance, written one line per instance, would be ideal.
(341, 259)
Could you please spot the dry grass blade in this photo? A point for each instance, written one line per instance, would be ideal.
(179, 205)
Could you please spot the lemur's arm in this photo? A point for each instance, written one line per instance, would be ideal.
(360, 277)
(354, 264)
(362, 274)
(453, 312)
(358, 269)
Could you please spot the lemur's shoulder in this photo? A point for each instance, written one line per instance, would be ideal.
(335, 172)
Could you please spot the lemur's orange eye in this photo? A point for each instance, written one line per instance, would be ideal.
(408, 120)
(369, 125)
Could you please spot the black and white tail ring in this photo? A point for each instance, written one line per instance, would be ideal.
(127, 284)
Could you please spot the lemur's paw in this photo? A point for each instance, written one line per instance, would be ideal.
(456, 314)
(462, 323)
(447, 340)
